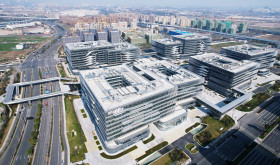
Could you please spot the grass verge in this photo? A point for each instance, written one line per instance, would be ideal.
(150, 139)
(254, 102)
(152, 150)
(192, 148)
(248, 149)
(192, 127)
(275, 87)
(269, 128)
(61, 70)
(214, 129)
(7, 122)
(173, 156)
(104, 155)
(76, 142)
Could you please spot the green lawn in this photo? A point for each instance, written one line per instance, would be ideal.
(256, 100)
(190, 146)
(76, 142)
(219, 46)
(7, 46)
(171, 157)
(23, 39)
(275, 87)
(214, 129)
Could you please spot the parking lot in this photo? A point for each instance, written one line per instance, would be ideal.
(269, 114)
(235, 145)
(273, 140)
(260, 156)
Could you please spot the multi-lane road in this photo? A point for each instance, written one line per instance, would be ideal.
(48, 148)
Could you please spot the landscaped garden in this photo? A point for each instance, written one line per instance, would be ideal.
(254, 102)
(152, 150)
(192, 148)
(214, 129)
(173, 156)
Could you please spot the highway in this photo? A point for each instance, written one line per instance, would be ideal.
(44, 153)
(7, 157)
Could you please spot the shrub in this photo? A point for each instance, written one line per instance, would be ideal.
(150, 139)
(104, 155)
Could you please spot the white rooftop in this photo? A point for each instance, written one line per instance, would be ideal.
(166, 70)
(249, 49)
(190, 37)
(167, 41)
(124, 45)
(88, 45)
(225, 63)
(134, 87)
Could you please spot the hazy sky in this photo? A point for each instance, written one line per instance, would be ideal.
(173, 3)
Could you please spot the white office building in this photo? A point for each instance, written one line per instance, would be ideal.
(123, 103)
(94, 54)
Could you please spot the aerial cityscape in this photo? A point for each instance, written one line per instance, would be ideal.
(162, 82)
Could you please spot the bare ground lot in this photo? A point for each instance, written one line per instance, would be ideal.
(7, 46)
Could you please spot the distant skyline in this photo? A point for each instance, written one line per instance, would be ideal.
(167, 3)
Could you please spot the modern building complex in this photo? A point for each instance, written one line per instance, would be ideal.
(125, 99)
(264, 56)
(123, 103)
(167, 48)
(189, 85)
(222, 74)
(182, 46)
(93, 54)
(192, 44)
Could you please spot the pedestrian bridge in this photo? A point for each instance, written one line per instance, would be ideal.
(43, 96)
(42, 81)
(11, 88)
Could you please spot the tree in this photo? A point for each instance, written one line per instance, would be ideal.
(34, 134)
(29, 151)
(32, 141)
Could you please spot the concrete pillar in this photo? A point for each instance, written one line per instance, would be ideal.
(17, 90)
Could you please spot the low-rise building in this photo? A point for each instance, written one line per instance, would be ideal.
(265, 56)
(193, 44)
(222, 74)
(93, 54)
